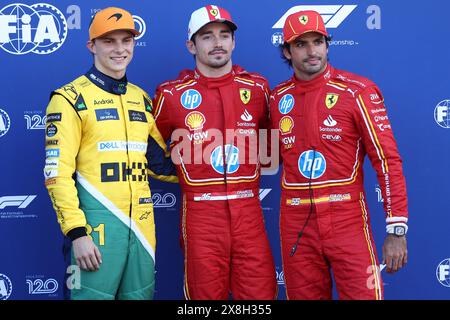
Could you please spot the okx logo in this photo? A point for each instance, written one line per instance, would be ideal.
(39, 28)
(5, 287)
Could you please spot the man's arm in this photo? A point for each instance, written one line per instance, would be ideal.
(62, 140)
(382, 150)
(160, 165)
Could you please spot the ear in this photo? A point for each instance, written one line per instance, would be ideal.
(286, 53)
(91, 46)
(191, 47)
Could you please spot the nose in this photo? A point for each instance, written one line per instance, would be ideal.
(310, 49)
(119, 47)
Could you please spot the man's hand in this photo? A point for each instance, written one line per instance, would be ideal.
(395, 253)
(86, 253)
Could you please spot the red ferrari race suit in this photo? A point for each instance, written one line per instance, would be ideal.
(327, 125)
(225, 244)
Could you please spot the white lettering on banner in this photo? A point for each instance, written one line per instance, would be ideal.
(38, 286)
(167, 200)
(374, 21)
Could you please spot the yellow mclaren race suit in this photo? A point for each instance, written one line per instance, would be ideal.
(99, 134)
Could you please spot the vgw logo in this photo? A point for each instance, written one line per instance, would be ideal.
(443, 272)
(39, 28)
(5, 287)
(5, 123)
(442, 114)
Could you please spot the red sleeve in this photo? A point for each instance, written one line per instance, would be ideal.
(383, 153)
(161, 112)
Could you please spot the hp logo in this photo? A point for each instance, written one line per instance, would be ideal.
(312, 164)
(231, 156)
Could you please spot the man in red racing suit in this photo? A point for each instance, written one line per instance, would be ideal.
(328, 120)
(213, 114)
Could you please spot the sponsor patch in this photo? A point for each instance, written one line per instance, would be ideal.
(331, 99)
(286, 103)
(286, 124)
(191, 99)
(52, 142)
(53, 117)
(52, 153)
(195, 120)
(106, 114)
(122, 146)
(80, 105)
(145, 200)
(51, 163)
(245, 95)
(137, 116)
(52, 130)
(50, 173)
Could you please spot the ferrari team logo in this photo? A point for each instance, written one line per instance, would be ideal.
(245, 95)
(331, 100)
(303, 19)
(214, 12)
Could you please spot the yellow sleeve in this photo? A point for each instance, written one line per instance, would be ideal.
(62, 142)
(160, 165)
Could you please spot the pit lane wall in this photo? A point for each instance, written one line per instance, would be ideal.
(400, 45)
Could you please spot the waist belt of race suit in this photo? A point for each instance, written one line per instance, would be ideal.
(218, 196)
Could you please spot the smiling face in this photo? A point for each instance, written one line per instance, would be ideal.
(113, 52)
(212, 46)
(308, 54)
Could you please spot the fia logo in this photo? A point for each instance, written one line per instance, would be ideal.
(5, 123)
(443, 272)
(5, 287)
(40, 28)
(442, 114)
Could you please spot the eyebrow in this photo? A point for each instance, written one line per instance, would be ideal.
(113, 39)
(210, 31)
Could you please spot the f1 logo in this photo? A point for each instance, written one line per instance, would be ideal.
(16, 201)
(332, 15)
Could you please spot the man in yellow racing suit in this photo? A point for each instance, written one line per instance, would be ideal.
(98, 133)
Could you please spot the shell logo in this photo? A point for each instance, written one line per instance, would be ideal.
(195, 120)
(286, 125)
